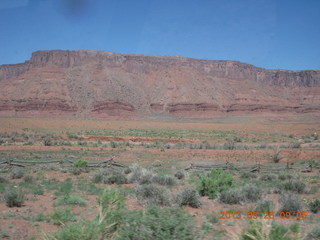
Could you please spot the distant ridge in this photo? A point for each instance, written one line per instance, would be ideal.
(108, 85)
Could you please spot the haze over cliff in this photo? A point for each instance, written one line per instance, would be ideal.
(110, 85)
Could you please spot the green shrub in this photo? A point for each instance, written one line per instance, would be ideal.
(3, 179)
(164, 180)
(213, 218)
(264, 205)
(248, 175)
(263, 231)
(111, 205)
(216, 182)
(157, 224)
(40, 218)
(62, 215)
(14, 198)
(99, 176)
(295, 228)
(71, 200)
(28, 178)
(251, 192)
(290, 203)
(179, 175)
(232, 196)
(150, 194)
(104, 226)
(84, 230)
(247, 193)
(115, 178)
(127, 170)
(314, 205)
(37, 190)
(140, 175)
(188, 197)
(65, 187)
(294, 186)
(269, 177)
(81, 163)
(77, 171)
(286, 176)
(17, 173)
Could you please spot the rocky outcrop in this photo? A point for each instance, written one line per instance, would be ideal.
(105, 84)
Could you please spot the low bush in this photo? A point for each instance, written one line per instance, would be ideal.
(264, 205)
(140, 175)
(28, 178)
(78, 171)
(14, 198)
(40, 218)
(17, 173)
(98, 176)
(188, 197)
(180, 175)
(232, 196)
(62, 215)
(290, 203)
(286, 176)
(213, 218)
(3, 179)
(64, 188)
(269, 177)
(164, 180)
(84, 230)
(261, 230)
(150, 194)
(248, 175)
(251, 192)
(127, 170)
(216, 182)
(314, 205)
(157, 224)
(247, 193)
(71, 200)
(295, 186)
(115, 178)
(81, 163)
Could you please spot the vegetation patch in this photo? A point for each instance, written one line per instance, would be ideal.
(314, 205)
(262, 230)
(265, 205)
(247, 193)
(216, 182)
(71, 200)
(14, 198)
(61, 216)
(188, 197)
(290, 203)
(157, 224)
(294, 186)
(150, 194)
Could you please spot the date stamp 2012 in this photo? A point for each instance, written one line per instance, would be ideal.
(265, 215)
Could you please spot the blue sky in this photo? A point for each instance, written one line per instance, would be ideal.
(273, 34)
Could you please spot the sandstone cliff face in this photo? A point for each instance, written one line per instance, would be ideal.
(109, 85)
